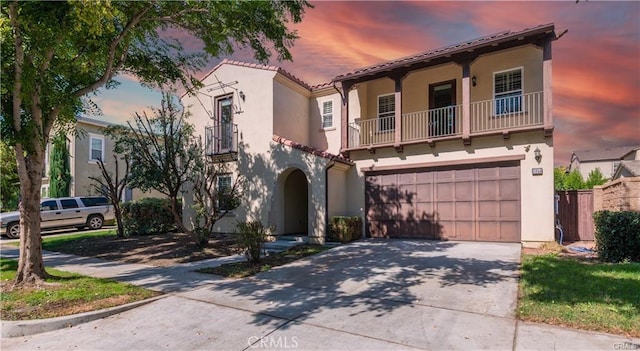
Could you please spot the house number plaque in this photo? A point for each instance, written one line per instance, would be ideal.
(536, 171)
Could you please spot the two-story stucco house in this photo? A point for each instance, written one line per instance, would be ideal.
(607, 160)
(454, 143)
(86, 146)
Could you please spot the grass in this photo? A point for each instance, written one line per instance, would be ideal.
(584, 295)
(245, 269)
(64, 294)
(52, 243)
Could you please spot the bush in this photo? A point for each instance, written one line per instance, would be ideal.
(147, 216)
(251, 237)
(345, 229)
(617, 235)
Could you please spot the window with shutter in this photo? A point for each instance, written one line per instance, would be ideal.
(386, 112)
(508, 91)
(327, 114)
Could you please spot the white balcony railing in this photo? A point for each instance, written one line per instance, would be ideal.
(507, 113)
(431, 124)
(485, 116)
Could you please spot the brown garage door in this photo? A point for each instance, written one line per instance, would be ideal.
(479, 202)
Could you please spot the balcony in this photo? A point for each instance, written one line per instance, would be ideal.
(485, 117)
(221, 142)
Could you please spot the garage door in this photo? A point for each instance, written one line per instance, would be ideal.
(479, 202)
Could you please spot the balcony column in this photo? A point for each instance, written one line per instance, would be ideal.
(547, 96)
(344, 115)
(466, 103)
(398, 78)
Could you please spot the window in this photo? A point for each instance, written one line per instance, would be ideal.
(386, 112)
(96, 148)
(94, 201)
(508, 91)
(69, 203)
(49, 205)
(327, 114)
(44, 191)
(224, 193)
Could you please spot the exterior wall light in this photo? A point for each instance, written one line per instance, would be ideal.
(241, 94)
(474, 81)
(537, 155)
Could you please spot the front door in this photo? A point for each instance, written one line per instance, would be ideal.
(224, 129)
(442, 101)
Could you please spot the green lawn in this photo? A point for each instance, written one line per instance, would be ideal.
(53, 242)
(245, 269)
(65, 294)
(584, 295)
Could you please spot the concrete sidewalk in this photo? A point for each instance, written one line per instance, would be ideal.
(369, 295)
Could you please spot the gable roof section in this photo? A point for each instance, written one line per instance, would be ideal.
(447, 51)
(312, 150)
(615, 153)
(259, 66)
(632, 167)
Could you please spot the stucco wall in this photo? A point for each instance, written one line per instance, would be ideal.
(537, 196)
(606, 167)
(325, 138)
(290, 112)
(619, 195)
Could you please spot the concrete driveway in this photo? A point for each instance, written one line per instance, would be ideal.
(370, 295)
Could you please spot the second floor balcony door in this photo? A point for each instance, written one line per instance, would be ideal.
(442, 101)
(224, 130)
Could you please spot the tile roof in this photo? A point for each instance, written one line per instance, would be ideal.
(466, 46)
(615, 153)
(259, 66)
(312, 150)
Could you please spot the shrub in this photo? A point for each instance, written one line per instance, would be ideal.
(345, 229)
(251, 237)
(617, 235)
(147, 216)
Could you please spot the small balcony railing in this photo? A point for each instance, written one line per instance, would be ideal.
(512, 112)
(507, 113)
(221, 139)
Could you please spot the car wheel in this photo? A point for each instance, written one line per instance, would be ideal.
(94, 222)
(13, 231)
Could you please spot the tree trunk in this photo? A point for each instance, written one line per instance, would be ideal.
(30, 265)
(118, 213)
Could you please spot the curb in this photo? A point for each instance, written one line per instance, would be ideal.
(12, 329)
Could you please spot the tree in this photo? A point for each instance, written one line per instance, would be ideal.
(559, 178)
(163, 152)
(56, 54)
(9, 182)
(594, 178)
(59, 167)
(112, 187)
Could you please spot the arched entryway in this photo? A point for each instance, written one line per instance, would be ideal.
(296, 203)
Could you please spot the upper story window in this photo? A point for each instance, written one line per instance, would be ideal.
(508, 91)
(96, 147)
(327, 114)
(386, 112)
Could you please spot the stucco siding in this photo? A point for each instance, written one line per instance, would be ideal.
(325, 138)
(290, 113)
(606, 167)
(537, 216)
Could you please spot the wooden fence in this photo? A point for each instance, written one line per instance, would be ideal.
(575, 213)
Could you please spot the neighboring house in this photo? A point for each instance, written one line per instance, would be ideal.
(454, 143)
(627, 169)
(85, 149)
(608, 160)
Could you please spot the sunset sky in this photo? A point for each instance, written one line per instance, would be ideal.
(596, 65)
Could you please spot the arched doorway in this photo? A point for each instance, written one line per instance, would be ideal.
(296, 203)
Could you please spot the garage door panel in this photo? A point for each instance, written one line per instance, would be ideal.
(479, 202)
(463, 191)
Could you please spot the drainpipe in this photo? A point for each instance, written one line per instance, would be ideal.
(326, 198)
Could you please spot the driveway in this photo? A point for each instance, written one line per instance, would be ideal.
(370, 295)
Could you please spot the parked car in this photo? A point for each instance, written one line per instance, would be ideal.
(67, 212)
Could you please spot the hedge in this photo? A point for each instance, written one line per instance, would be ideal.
(617, 235)
(345, 229)
(147, 216)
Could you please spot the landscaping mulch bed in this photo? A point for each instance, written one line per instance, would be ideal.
(165, 249)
